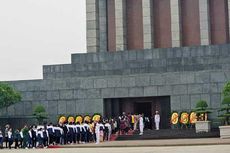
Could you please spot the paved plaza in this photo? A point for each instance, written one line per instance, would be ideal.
(210, 145)
(175, 149)
(154, 143)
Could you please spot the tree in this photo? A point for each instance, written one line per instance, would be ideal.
(202, 110)
(226, 90)
(40, 113)
(225, 105)
(8, 95)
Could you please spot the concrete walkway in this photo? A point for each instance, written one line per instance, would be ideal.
(154, 143)
(173, 149)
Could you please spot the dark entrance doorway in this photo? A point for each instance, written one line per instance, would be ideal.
(144, 107)
(140, 105)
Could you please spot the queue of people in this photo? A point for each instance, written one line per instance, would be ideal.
(46, 135)
(42, 136)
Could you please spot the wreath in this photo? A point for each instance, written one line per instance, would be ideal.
(174, 118)
(70, 119)
(79, 119)
(184, 118)
(96, 117)
(192, 118)
(87, 118)
(62, 119)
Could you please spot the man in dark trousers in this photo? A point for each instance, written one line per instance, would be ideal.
(78, 132)
(6, 134)
(65, 131)
(34, 135)
(50, 130)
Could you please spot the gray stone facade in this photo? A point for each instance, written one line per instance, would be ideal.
(186, 74)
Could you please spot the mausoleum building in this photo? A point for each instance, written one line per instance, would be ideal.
(142, 56)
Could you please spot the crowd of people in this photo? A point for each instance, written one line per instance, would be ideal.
(42, 136)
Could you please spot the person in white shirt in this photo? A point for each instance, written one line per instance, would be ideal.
(45, 137)
(78, 131)
(141, 124)
(102, 128)
(1, 139)
(157, 120)
(108, 131)
(50, 130)
(34, 136)
(21, 138)
(30, 138)
(97, 132)
(58, 132)
(6, 134)
(10, 137)
(83, 131)
(39, 135)
(87, 131)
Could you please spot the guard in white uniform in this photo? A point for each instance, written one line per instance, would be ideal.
(141, 124)
(157, 120)
(97, 132)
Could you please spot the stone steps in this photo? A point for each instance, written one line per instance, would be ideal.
(169, 134)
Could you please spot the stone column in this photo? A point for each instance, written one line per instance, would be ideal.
(120, 19)
(103, 25)
(204, 22)
(175, 23)
(147, 24)
(92, 26)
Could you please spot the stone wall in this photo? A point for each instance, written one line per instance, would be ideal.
(139, 61)
(185, 74)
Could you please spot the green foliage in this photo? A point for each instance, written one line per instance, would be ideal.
(201, 104)
(226, 101)
(8, 95)
(225, 105)
(202, 110)
(40, 113)
(225, 110)
(226, 90)
(202, 107)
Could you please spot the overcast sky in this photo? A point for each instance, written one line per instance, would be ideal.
(39, 32)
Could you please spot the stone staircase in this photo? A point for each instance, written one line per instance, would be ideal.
(169, 134)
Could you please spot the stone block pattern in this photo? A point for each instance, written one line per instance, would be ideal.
(142, 61)
(185, 74)
(184, 88)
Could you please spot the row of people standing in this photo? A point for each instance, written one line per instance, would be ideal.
(45, 135)
(25, 138)
(61, 134)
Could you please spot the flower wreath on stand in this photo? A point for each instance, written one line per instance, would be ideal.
(96, 117)
(184, 119)
(62, 119)
(71, 119)
(87, 118)
(174, 120)
(192, 119)
(79, 119)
